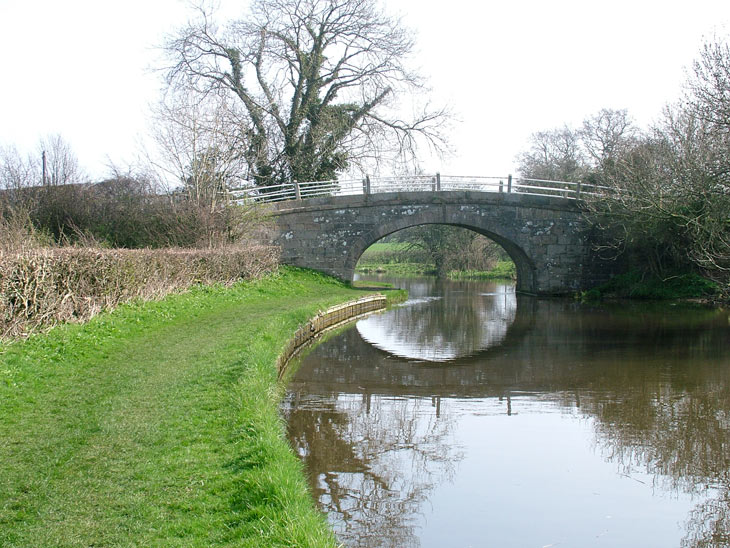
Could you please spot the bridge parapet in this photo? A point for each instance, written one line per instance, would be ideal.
(415, 183)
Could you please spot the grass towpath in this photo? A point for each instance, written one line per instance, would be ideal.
(157, 425)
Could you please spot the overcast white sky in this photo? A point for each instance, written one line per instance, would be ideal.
(507, 68)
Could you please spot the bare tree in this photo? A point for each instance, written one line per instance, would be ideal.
(315, 84)
(709, 87)
(606, 135)
(672, 197)
(568, 154)
(450, 248)
(198, 145)
(53, 165)
(554, 155)
(15, 171)
(62, 165)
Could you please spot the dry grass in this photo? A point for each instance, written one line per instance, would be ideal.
(42, 286)
(17, 234)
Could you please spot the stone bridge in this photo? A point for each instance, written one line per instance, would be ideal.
(545, 236)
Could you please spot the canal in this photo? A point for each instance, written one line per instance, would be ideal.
(471, 416)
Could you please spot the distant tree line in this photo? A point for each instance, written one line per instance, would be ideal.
(664, 192)
(126, 209)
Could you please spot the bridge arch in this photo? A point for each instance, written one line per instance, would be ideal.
(524, 265)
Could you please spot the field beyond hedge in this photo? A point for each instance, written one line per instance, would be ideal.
(158, 425)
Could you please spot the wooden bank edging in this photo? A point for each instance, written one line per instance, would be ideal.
(331, 318)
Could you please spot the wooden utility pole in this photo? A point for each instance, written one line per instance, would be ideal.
(45, 170)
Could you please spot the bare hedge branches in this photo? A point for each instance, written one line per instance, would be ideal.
(128, 211)
(316, 85)
(42, 287)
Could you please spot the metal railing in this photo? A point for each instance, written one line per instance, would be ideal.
(415, 183)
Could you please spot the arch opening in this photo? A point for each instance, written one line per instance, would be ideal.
(446, 245)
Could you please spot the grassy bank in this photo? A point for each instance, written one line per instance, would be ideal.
(393, 258)
(402, 269)
(638, 285)
(157, 424)
(401, 259)
(503, 270)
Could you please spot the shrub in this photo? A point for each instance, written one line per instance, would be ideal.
(638, 285)
(126, 212)
(41, 287)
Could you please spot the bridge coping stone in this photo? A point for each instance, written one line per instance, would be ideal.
(461, 197)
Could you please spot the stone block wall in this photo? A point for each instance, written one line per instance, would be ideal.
(546, 236)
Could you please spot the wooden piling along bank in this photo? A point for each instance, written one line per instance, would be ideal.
(331, 318)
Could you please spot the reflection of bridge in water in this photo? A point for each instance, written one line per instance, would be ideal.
(545, 348)
(540, 224)
(451, 326)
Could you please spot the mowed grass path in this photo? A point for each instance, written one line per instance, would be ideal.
(157, 425)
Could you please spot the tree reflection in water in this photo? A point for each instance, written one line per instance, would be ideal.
(678, 431)
(356, 450)
(655, 384)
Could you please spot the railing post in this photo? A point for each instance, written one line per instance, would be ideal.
(501, 186)
(578, 191)
(509, 183)
(433, 184)
(366, 184)
(438, 182)
(297, 191)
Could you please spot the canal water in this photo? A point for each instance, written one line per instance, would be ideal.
(474, 417)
